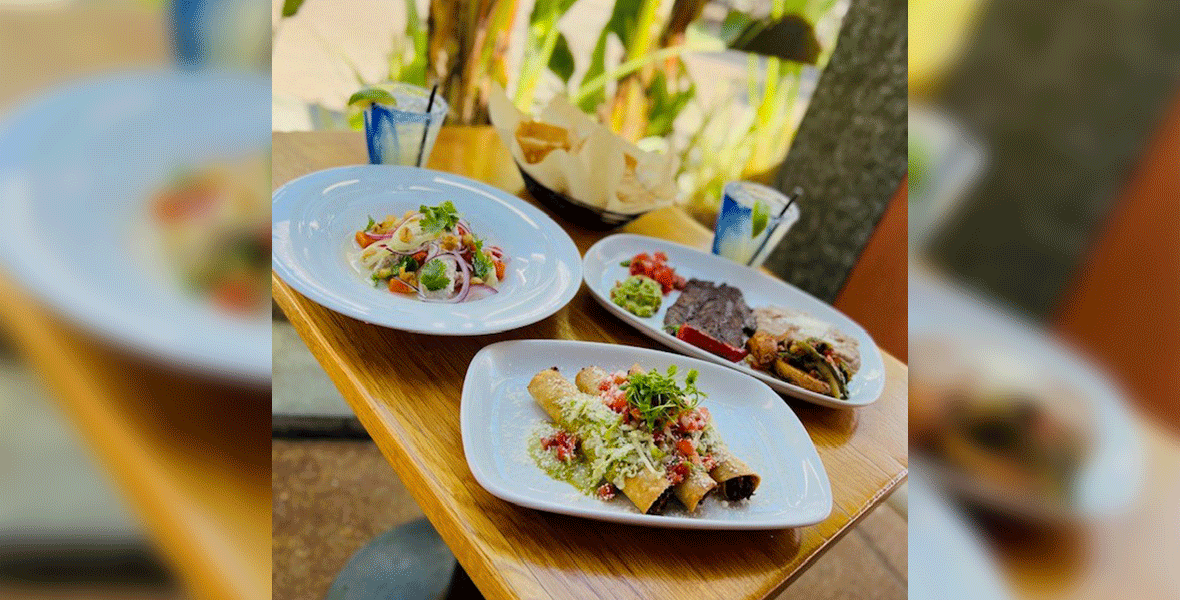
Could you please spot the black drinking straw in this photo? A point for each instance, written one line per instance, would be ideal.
(425, 130)
(795, 193)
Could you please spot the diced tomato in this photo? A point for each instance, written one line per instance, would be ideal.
(363, 240)
(499, 269)
(398, 286)
(711, 344)
(564, 445)
(694, 420)
(658, 269)
(617, 403)
(235, 294)
(420, 257)
(678, 473)
(685, 447)
(708, 462)
(606, 491)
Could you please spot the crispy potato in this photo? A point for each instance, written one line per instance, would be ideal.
(801, 379)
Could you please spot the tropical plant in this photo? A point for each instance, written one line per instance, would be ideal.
(463, 46)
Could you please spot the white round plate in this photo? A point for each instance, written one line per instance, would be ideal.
(1113, 474)
(602, 269)
(497, 415)
(315, 217)
(77, 170)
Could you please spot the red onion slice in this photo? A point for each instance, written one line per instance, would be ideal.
(480, 291)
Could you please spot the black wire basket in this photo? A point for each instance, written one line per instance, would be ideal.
(576, 212)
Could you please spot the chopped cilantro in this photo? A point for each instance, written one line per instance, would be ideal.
(481, 262)
(433, 275)
(625, 263)
(659, 397)
(439, 218)
(406, 261)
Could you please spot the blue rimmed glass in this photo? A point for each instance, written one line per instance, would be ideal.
(753, 219)
(404, 134)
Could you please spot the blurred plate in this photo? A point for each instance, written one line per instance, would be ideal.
(945, 553)
(1112, 476)
(602, 269)
(77, 169)
(498, 415)
(315, 217)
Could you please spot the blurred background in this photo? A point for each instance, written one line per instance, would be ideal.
(820, 106)
(1044, 239)
(131, 466)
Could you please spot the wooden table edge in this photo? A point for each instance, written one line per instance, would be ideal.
(169, 516)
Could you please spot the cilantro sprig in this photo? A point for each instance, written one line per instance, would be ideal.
(481, 262)
(659, 397)
(434, 275)
(439, 218)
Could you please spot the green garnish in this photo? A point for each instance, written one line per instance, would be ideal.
(368, 96)
(483, 264)
(672, 329)
(382, 274)
(408, 262)
(659, 397)
(760, 219)
(439, 218)
(369, 227)
(625, 263)
(434, 275)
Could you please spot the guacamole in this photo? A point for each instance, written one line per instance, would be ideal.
(638, 295)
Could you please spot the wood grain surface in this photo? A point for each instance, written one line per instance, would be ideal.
(405, 388)
(188, 453)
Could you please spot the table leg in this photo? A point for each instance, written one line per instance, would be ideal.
(409, 562)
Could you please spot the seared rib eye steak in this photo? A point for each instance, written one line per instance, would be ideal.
(718, 310)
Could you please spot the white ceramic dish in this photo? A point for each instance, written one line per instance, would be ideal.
(1112, 476)
(601, 270)
(77, 171)
(498, 415)
(945, 552)
(315, 217)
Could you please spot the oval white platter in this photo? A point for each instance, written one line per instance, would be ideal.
(601, 269)
(498, 415)
(1112, 476)
(315, 217)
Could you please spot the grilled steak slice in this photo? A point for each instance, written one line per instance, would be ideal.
(718, 310)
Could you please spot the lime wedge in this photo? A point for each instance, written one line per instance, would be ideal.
(760, 219)
(369, 96)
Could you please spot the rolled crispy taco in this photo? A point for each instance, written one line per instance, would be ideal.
(696, 485)
(735, 479)
(648, 490)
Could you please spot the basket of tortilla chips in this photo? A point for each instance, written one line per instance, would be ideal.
(579, 168)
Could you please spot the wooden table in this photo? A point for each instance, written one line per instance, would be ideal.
(190, 454)
(405, 389)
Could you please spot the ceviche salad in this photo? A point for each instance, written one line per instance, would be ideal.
(214, 231)
(431, 254)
